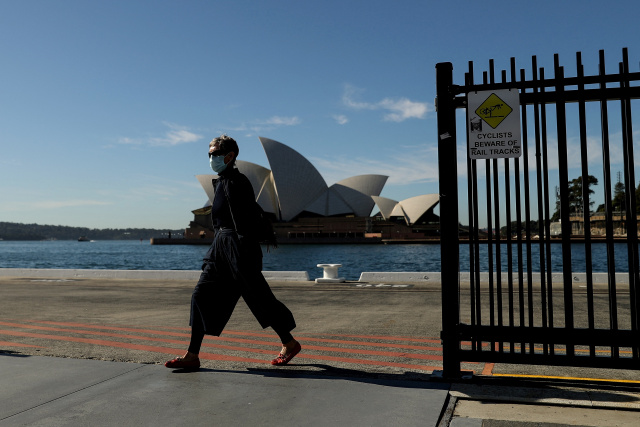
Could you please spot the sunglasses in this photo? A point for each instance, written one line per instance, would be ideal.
(217, 153)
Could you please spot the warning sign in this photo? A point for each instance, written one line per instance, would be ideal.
(493, 110)
(493, 119)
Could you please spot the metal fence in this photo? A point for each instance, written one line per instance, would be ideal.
(580, 125)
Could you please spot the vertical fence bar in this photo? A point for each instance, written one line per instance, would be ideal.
(509, 231)
(507, 180)
(628, 192)
(547, 216)
(492, 318)
(608, 208)
(496, 200)
(632, 220)
(586, 205)
(540, 204)
(449, 239)
(561, 123)
(507, 206)
(492, 315)
(628, 188)
(527, 215)
(476, 210)
(516, 173)
(472, 225)
(476, 239)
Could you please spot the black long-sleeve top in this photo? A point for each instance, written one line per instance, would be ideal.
(234, 189)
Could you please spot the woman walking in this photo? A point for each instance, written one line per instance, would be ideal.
(233, 265)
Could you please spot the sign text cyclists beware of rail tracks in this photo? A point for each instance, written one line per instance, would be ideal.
(493, 123)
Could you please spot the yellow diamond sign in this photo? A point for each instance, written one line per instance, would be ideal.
(493, 110)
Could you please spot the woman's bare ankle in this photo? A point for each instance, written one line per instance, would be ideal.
(289, 346)
(190, 356)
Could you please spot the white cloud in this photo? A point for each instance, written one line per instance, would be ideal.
(262, 125)
(280, 121)
(399, 110)
(403, 109)
(348, 96)
(175, 135)
(129, 141)
(340, 119)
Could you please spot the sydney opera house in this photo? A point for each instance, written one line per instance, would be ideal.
(305, 209)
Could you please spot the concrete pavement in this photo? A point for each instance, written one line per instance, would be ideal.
(75, 392)
(368, 354)
(47, 391)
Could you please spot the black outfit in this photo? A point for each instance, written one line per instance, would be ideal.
(233, 267)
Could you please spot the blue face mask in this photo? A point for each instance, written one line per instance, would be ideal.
(217, 163)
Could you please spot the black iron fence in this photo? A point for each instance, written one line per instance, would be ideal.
(573, 130)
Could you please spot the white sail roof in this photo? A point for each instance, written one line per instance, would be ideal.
(297, 182)
(262, 182)
(206, 183)
(415, 207)
(357, 192)
(410, 209)
(385, 205)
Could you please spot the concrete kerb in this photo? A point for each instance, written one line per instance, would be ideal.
(193, 275)
(579, 279)
(434, 277)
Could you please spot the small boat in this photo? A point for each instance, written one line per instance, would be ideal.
(83, 239)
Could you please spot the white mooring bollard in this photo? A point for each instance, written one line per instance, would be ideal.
(330, 274)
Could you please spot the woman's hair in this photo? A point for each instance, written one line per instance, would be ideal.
(227, 144)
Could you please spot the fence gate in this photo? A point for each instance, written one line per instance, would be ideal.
(551, 268)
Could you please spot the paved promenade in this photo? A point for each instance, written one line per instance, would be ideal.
(89, 351)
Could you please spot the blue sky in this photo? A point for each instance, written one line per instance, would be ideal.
(107, 108)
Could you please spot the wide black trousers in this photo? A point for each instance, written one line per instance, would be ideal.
(233, 269)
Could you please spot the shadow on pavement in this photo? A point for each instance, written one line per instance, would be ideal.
(12, 353)
(407, 380)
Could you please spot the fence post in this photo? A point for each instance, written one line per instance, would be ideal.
(449, 243)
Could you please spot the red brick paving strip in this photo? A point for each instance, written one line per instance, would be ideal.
(339, 352)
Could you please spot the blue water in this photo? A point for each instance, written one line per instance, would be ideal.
(355, 259)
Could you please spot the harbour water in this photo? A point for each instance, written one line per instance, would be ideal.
(355, 259)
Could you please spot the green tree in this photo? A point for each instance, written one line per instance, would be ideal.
(576, 203)
(618, 203)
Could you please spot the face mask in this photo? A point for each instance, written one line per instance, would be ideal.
(217, 163)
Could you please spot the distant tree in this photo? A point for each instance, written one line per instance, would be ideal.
(576, 202)
(575, 196)
(17, 231)
(618, 203)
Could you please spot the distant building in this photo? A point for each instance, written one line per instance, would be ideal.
(305, 208)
